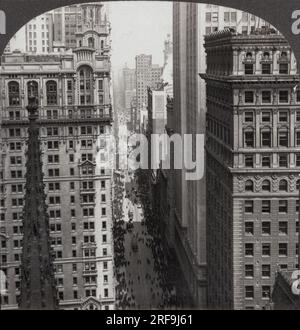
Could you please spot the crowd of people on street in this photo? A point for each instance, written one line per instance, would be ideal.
(163, 294)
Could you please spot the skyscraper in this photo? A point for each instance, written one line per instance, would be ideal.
(147, 75)
(191, 22)
(253, 161)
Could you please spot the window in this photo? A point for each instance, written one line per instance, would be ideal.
(249, 117)
(33, 90)
(283, 68)
(69, 85)
(51, 89)
(266, 292)
(249, 69)
(266, 249)
(85, 85)
(298, 160)
(283, 249)
(283, 185)
(266, 116)
(266, 161)
(249, 292)
(283, 96)
(249, 208)
(227, 17)
(266, 206)
(249, 185)
(208, 17)
(245, 29)
(283, 138)
(266, 68)
(266, 97)
(266, 271)
(249, 249)
(208, 30)
(283, 227)
(283, 160)
(100, 85)
(266, 186)
(233, 17)
(53, 159)
(249, 139)
(13, 93)
(283, 117)
(283, 206)
(266, 228)
(53, 145)
(52, 131)
(297, 138)
(249, 97)
(249, 228)
(266, 139)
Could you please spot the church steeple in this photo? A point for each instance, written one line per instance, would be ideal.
(37, 276)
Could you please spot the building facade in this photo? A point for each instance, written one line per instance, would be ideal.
(75, 117)
(147, 75)
(191, 22)
(253, 161)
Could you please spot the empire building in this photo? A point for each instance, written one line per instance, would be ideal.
(253, 162)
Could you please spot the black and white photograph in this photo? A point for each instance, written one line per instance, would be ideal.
(149, 157)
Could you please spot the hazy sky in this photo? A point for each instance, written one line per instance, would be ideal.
(139, 27)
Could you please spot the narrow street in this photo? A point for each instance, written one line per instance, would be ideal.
(140, 263)
(143, 281)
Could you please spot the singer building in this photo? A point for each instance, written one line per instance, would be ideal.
(253, 162)
(75, 116)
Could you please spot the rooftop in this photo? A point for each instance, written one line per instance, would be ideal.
(261, 35)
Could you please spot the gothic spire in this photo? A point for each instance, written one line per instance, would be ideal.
(37, 276)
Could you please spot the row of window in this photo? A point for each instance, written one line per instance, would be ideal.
(266, 68)
(266, 207)
(86, 83)
(266, 97)
(266, 249)
(266, 228)
(266, 140)
(266, 185)
(265, 292)
(267, 160)
(88, 266)
(88, 293)
(266, 116)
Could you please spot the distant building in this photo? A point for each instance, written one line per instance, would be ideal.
(147, 75)
(129, 86)
(134, 117)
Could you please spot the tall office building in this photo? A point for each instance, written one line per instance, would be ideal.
(74, 98)
(129, 87)
(253, 160)
(39, 34)
(191, 22)
(147, 75)
(189, 211)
